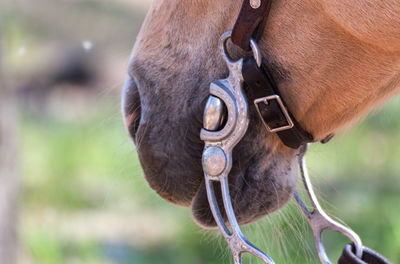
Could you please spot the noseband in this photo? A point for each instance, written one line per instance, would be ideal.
(226, 120)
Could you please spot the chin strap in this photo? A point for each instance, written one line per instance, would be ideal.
(369, 256)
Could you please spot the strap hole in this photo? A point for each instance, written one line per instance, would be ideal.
(332, 239)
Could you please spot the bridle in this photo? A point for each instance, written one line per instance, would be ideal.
(226, 120)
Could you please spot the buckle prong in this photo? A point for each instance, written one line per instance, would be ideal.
(283, 109)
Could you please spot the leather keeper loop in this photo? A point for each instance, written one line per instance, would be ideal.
(250, 23)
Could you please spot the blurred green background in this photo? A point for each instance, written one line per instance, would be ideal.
(83, 198)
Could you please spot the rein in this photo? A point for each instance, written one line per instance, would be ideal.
(226, 120)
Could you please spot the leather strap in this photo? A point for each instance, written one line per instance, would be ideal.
(250, 23)
(369, 256)
(258, 84)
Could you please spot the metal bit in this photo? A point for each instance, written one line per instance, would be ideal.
(318, 219)
(217, 154)
(214, 114)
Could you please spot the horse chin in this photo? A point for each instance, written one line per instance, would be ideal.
(260, 187)
(261, 181)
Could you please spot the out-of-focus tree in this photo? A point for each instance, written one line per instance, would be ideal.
(9, 180)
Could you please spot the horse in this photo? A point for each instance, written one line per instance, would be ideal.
(333, 63)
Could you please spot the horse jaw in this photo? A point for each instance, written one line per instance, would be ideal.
(327, 75)
(337, 67)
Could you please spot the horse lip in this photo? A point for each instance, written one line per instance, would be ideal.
(131, 106)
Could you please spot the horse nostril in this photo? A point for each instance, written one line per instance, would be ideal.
(131, 106)
(132, 122)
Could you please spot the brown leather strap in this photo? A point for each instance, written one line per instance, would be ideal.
(250, 22)
(369, 256)
(258, 84)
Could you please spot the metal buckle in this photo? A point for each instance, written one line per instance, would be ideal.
(266, 100)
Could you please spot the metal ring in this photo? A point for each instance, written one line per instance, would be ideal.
(256, 51)
(253, 45)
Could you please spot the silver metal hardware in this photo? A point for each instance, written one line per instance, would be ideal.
(285, 112)
(213, 113)
(214, 161)
(253, 46)
(217, 154)
(255, 3)
(256, 52)
(318, 219)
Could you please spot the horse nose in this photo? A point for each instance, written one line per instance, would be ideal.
(131, 106)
